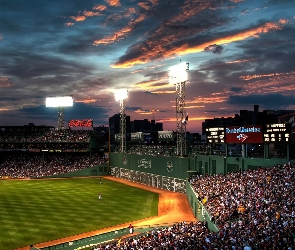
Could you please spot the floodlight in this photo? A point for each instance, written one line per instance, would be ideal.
(59, 101)
(178, 73)
(121, 94)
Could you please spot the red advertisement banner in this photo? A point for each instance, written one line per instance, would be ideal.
(244, 134)
(80, 123)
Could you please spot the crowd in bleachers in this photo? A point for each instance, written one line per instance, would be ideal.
(37, 147)
(65, 135)
(253, 209)
(38, 165)
(160, 150)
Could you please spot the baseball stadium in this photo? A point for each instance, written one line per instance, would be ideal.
(193, 169)
(61, 190)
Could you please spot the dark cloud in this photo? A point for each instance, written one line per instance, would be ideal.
(132, 109)
(78, 111)
(270, 100)
(214, 48)
(236, 89)
(223, 113)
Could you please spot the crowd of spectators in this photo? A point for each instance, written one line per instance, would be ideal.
(253, 209)
(160, 149)
(65, 135)
(38, 147)
(38, 165)
(257, 206)
(45, 140)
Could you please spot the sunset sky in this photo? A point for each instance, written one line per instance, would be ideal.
(240, 53)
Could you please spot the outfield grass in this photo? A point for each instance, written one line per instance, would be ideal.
(36, 211)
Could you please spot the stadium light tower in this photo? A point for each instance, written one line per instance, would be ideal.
(60, 102)
(121, 96)
(178, 76)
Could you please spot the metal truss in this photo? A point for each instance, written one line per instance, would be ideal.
(61, 119)
(123, 145)
(180, 119)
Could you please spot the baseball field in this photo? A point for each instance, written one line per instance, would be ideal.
(36, 211)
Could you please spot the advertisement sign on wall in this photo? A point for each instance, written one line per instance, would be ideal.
(243, 134)
(80, 123)
(165, 136)
(136, 137)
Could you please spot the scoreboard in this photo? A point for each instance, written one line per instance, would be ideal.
(215, 135)
(277, 133)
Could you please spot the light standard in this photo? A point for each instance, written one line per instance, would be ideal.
(61, 102)
(178, 76)
(121, 95)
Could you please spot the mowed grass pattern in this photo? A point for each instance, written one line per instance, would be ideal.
(35, 211)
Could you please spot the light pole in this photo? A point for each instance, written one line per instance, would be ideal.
(121, 96)
(178, 76)
(61, 102)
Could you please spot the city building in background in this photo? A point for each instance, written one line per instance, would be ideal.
(250, 144)
(146, 126)
(114, 125)
(246, 117)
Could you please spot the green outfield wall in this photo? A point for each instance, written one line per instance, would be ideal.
(176, 167)
(214, 164)
(180, 167)
(198, 209)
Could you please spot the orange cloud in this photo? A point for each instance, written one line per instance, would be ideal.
(121, 33)
(114, 37)
(195, 107)
(159, 49)
(87, 101)
(132, 10)
(283, 21)
(68, 24)
(239, 36)
(91, 13)
(144, 5)
(4, 82)
(188, 10)
(242, 61)
(154, 2)
(152, 85)
(115, 3)
(248, 77)
(272, 84)
(100, 7)
(207, 100)
(78, 18)
(163, 92)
